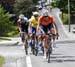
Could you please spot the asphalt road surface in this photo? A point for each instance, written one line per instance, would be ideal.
(62, 56)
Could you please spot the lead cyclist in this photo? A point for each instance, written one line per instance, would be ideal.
(46, 22)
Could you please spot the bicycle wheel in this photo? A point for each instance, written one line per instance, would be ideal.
(26, 47)
(33, 46)
(36, 51)
(49, 53)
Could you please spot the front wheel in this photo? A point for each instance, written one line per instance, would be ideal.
(36, 51)
(26, 47)
(49, 54)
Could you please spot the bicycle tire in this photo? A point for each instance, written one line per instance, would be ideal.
(36, 51)
(26, 47)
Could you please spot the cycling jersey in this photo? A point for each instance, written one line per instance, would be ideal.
(33, 22)
(46, 21)
(23, 23)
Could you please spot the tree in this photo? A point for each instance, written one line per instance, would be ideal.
(35, 1)
(25, 7)
(5, 24)
(63, 6)
(7, 5)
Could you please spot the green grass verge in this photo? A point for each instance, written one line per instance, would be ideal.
(4, 39)
(13, 34)
(1, 61)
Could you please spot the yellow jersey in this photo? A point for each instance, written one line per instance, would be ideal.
(33, 22)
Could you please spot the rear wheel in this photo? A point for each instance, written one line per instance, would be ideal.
(42, 49)
(33, 49)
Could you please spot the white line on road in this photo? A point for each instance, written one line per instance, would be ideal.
(28, 61)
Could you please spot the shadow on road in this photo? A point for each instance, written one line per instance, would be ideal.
(61, 59)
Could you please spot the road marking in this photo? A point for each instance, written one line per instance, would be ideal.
(28, 61)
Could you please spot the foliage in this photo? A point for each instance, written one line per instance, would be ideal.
(25, 7)
(63, 5)
(65, 18)
(5, 23)
(35, 1)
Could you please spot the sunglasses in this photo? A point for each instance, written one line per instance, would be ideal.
(45, 16)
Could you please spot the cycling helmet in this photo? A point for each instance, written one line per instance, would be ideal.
(45, 13)
(35, 14)
(21, 16)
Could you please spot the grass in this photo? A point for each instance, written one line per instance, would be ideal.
(1, 61)
(3, 39)
(13, 34)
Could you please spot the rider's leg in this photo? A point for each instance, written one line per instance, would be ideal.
(26, 40)
(45, 45)
(53, 33)
(36, 40)
(22, 37)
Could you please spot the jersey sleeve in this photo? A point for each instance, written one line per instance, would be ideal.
(31, 20)
(52, 18)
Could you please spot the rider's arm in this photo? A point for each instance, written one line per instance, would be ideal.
(38, 27)
(19, 25)
(55, 26)
(30, 21)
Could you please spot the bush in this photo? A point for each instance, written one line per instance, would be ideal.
(5, 23)
(65, 18)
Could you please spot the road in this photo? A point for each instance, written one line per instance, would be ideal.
(63, 55)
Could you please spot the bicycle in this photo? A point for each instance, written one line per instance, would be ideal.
(25, 41)
(39, 44)
(49, 45)
(32, 42)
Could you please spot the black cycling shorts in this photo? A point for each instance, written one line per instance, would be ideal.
(47, 28)
(25, 29)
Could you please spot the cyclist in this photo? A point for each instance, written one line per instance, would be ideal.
(23, 24)
(33, 22)
(45, 23)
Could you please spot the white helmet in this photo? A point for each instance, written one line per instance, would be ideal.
(35, 14)
(21, 16)
(45, 13)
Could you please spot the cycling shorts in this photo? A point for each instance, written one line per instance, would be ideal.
(25, 29)
(47, 28)
(32, 30)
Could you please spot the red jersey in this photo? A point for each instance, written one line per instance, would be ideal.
(46, 21)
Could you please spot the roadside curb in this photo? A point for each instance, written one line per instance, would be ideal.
(64, 41)
(9, 43)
